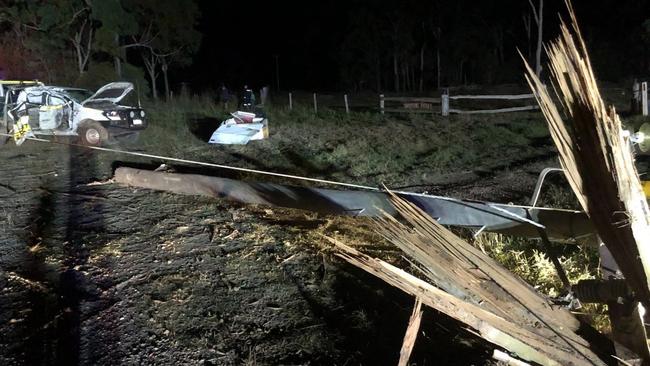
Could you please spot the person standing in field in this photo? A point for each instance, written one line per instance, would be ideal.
(248, 99)
(224, 95)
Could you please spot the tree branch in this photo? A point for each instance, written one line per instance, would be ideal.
(535, 15)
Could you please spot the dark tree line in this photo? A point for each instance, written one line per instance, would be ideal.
(411, 45)
(89, 42)
(406, 45)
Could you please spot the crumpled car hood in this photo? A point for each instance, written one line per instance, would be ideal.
(112, 92)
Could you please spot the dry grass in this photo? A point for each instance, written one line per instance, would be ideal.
(359, 147)
(524, 258)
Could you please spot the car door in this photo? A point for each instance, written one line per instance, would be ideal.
(51, 114)
(2, 102)
(34, 100)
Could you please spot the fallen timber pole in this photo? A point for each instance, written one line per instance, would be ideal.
(560, 225)
(471, 289)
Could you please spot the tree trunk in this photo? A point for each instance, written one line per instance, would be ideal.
(396, 71)
(118, 66)
(150, 62)
(378, 70)
(414, 77)
(500, 39)
(421, 86)
(437, 34)
(408, 74)
(438, 67)
(461, 71)
(405, 76)
(83, 47)
(527, 27)
(116, 59)
(164, 70)
(538, 55)
(538, 14)
(48, 70)
(154, 92)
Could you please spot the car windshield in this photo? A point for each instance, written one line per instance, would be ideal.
(78, 95)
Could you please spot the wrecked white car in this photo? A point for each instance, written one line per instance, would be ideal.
(95, 119)
(241, 128)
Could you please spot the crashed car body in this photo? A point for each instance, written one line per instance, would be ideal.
(241, 128)
(6, 85)
(61, 111)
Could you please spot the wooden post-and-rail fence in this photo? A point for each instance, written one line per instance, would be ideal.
(397, 104)
(346, 102)
(409, 104)
(442, 104)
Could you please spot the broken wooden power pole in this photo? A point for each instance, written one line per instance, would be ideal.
(599, 165)
(560, 225)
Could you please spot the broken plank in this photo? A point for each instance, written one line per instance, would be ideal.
(526, 344)
(411, 333)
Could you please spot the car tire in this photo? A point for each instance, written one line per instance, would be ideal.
(92, 133)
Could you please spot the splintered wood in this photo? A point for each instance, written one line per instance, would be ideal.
(411, 334)
(467, 285)
(596, 157)
(599, 164)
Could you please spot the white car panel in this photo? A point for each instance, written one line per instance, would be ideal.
(113, 92)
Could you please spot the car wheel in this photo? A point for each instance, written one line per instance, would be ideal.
(92, 133)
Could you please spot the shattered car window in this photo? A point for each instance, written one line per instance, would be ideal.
(35, 98)
(78, 95)
(54, 100)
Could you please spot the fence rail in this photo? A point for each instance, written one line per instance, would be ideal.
(426, 105)
(500, 110)
(412, 99)
(494, 97)
(417, 104)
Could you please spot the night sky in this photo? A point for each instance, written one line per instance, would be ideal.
(242, 38)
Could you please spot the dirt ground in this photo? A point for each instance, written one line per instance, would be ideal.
(102, 274)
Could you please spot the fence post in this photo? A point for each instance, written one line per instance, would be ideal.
(315, 104)
(636, 97)
(644, 98)
(444, 102)
(381, 103)
(264, 94)
(290, 102)
(347, 106)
